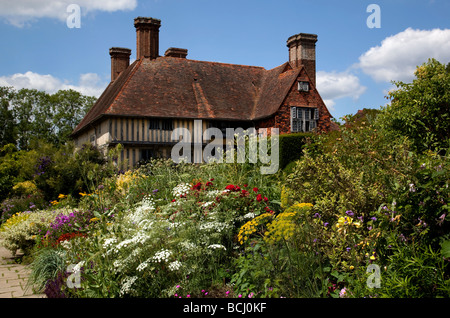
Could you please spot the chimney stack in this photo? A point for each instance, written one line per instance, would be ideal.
(176, 52)
(120, 60)
(302, 51)
(147, 37)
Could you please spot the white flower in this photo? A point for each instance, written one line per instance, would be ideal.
(176, 265)
(162, 256)
(249, 215)
(181, 189)
(128, 282)
(206, 204)
(214, 226)
(188, 245)
(109, 242)
(143, 265)
(216, 246)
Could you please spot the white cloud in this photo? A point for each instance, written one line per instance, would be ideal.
(336, 85)
(19, 12)
(398, 56)
(89, 84)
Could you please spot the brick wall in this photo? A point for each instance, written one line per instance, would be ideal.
(281, 119)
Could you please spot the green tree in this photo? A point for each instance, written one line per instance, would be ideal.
(7, 124)
(29, 115)
(421, 110)
(68, 108)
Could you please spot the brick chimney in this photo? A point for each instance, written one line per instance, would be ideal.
(302, 51)
(147, 37)
(120, 60)
(176, 52)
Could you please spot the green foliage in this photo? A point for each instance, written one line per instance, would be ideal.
(29, 115)
(291, 147)
(421, 110)
(46, 266)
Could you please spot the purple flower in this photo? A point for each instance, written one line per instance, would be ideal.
(350, 213)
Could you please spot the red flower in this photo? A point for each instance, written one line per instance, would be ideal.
(244, 192)
(173, 200)
(255, 189)
(208, 183)
(197, 186)
(245, 185)
(259, 197)
(265, 199)
(230, 187)
(69, 236)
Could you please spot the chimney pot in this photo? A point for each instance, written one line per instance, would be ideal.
(120, 60)
(302, 51)
(176, 52)
(147, 37)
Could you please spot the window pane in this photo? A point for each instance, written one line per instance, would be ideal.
(307, 114)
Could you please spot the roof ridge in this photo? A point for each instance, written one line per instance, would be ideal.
(221, 63)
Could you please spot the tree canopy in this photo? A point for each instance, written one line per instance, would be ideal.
(28, 115)
(421, 110)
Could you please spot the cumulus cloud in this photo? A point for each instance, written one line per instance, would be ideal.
(89, 84)
(336, 85)
(20, 12)
(398, 55)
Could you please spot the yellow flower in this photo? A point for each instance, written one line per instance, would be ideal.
(94, 219)
(54, 202)
(82, 194)
(352, 267)
(62, 196)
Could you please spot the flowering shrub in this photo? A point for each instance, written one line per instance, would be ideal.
(164, 244)
(23, 229)
(67, 223)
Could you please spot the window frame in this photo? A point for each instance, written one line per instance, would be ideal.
(304, 119)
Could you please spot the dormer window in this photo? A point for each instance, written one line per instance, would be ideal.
(304, 119)
(303, 86)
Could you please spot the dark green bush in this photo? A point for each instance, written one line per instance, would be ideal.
(291, 147)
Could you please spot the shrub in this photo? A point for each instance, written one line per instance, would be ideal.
(158, 245)
(23, 229)
(291, 147)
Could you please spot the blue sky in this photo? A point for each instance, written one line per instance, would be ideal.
(355, 63)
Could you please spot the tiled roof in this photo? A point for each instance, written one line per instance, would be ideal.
(183, 88)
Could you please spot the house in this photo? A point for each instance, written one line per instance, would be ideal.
(146, 100)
